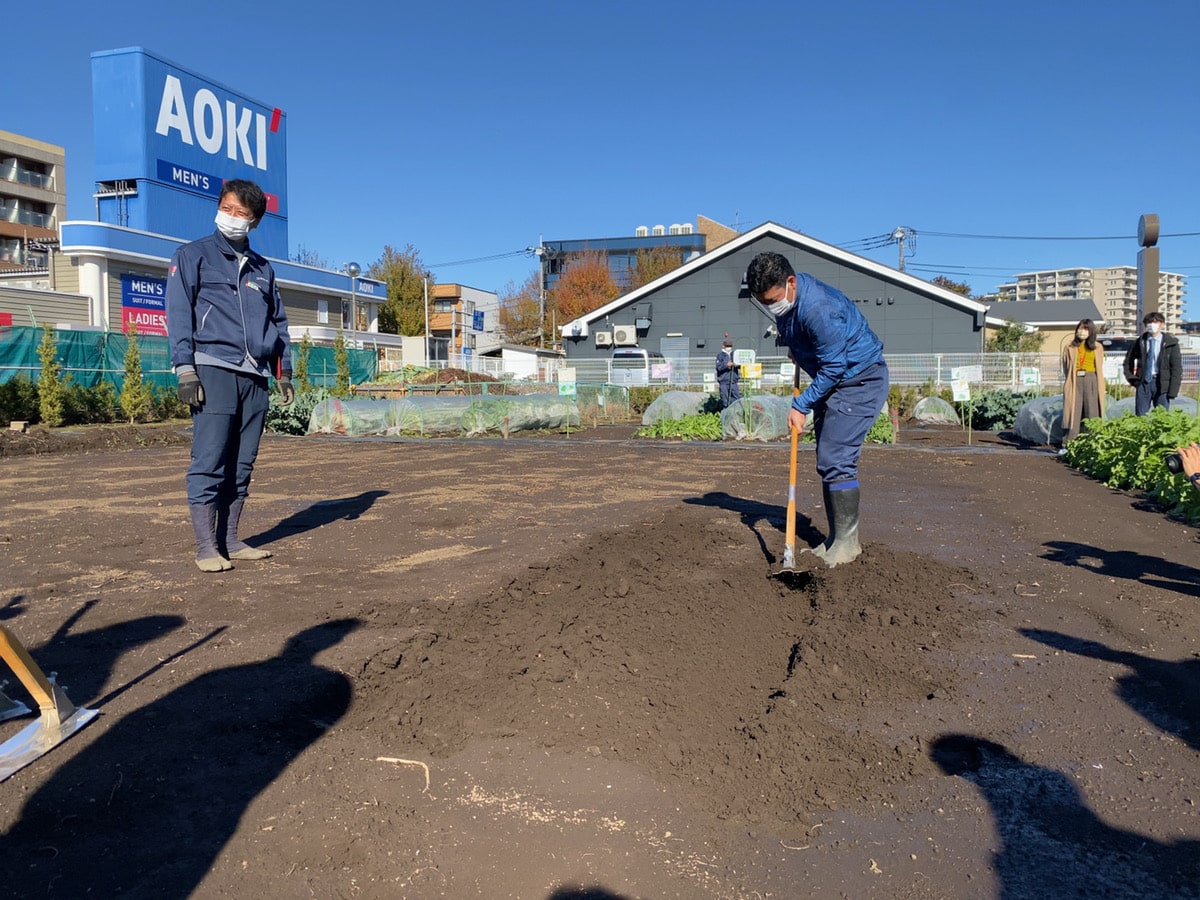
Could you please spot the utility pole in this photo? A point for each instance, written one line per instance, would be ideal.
(540, 252)
(425, 282)
(899, 235)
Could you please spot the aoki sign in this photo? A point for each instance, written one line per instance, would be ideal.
(179, 136)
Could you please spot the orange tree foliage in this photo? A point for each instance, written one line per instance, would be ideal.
(519, 310)
(584, 285)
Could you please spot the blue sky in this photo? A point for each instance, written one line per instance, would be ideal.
(471, 130)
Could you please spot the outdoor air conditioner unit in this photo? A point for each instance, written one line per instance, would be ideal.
(624, 335)
(604, 339)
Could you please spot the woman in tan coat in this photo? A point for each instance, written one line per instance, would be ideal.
(1083, 380)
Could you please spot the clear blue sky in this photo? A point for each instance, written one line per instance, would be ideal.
(471, 130)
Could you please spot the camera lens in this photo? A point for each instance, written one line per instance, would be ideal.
(1174, 463)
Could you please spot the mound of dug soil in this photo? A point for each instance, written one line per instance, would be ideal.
(666, 644)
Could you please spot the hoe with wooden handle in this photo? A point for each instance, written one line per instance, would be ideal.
(60, 717)
(788, 567)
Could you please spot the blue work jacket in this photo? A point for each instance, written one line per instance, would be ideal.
(829, 339)
(225, 310)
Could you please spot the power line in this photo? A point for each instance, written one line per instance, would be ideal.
(1019, 237)
(463, 262)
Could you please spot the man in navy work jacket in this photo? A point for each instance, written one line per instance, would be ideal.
(227, 329)
(830, 340)
(727, 375)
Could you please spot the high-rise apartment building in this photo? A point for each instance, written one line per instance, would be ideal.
(33, 201)
(1113, 290)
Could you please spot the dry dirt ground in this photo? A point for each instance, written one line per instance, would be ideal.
(556, 668)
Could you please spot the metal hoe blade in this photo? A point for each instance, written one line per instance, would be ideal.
(60, 717)
(39, 738)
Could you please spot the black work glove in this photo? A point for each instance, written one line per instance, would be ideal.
(191, 391)
(287, 393)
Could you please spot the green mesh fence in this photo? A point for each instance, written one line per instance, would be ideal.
(91, 357)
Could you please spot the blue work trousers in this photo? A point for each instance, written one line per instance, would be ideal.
(841, 422)
(226, 432)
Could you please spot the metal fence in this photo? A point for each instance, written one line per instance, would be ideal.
(1017, 371)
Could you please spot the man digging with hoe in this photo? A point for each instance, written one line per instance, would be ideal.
(830, 340)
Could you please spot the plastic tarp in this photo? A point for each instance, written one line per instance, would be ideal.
(443, 415)
(1114, 409)
(532, 412)
(935, 411)
(426, 415)
(1040, 420)
(674, 405)
(763, 417)
(352, 417)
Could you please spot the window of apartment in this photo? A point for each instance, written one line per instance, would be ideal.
(443, 306)
(322, 312)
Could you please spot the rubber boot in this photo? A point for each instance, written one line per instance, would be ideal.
(842, 546)
(204, 524)
(227, 525)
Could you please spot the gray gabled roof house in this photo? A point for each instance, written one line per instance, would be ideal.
(688, 311)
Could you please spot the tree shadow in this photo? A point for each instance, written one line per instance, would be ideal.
(1126, 564)
(318, 514)
(1166, 694)
(1052, 844)
(753, 514)
(145, 808)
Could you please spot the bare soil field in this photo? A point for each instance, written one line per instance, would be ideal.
(556, 668)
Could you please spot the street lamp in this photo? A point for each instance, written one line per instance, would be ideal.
(353, 269)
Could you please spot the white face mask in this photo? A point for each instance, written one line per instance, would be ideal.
(780, 306)
(1153, 327)
(232, 227)
(1081, 334)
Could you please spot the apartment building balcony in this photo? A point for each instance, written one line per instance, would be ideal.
(15, 213)
(12, 171)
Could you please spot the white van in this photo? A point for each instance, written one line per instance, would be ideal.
(631, 366)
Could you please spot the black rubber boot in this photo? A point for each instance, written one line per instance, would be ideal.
(227, 527)
(204, 525)
(842, 546)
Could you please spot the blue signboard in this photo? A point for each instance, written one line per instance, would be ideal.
(167, 139)
(143, 304)
(369, 288)
(477, 321)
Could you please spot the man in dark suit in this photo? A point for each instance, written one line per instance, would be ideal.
(1153, 366)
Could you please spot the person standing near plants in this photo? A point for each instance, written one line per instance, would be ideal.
(727, 375)
(830, 339)
(1154, 366)
(227, 331)
(1083, 381)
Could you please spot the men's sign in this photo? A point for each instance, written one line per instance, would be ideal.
(144, 304)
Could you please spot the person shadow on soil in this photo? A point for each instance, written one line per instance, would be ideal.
(1052, 844)
(316, 515)
(1166, 694)
(584, 893)
(754, 513)
(84, 661)
(1126, 564)
(145, 808)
